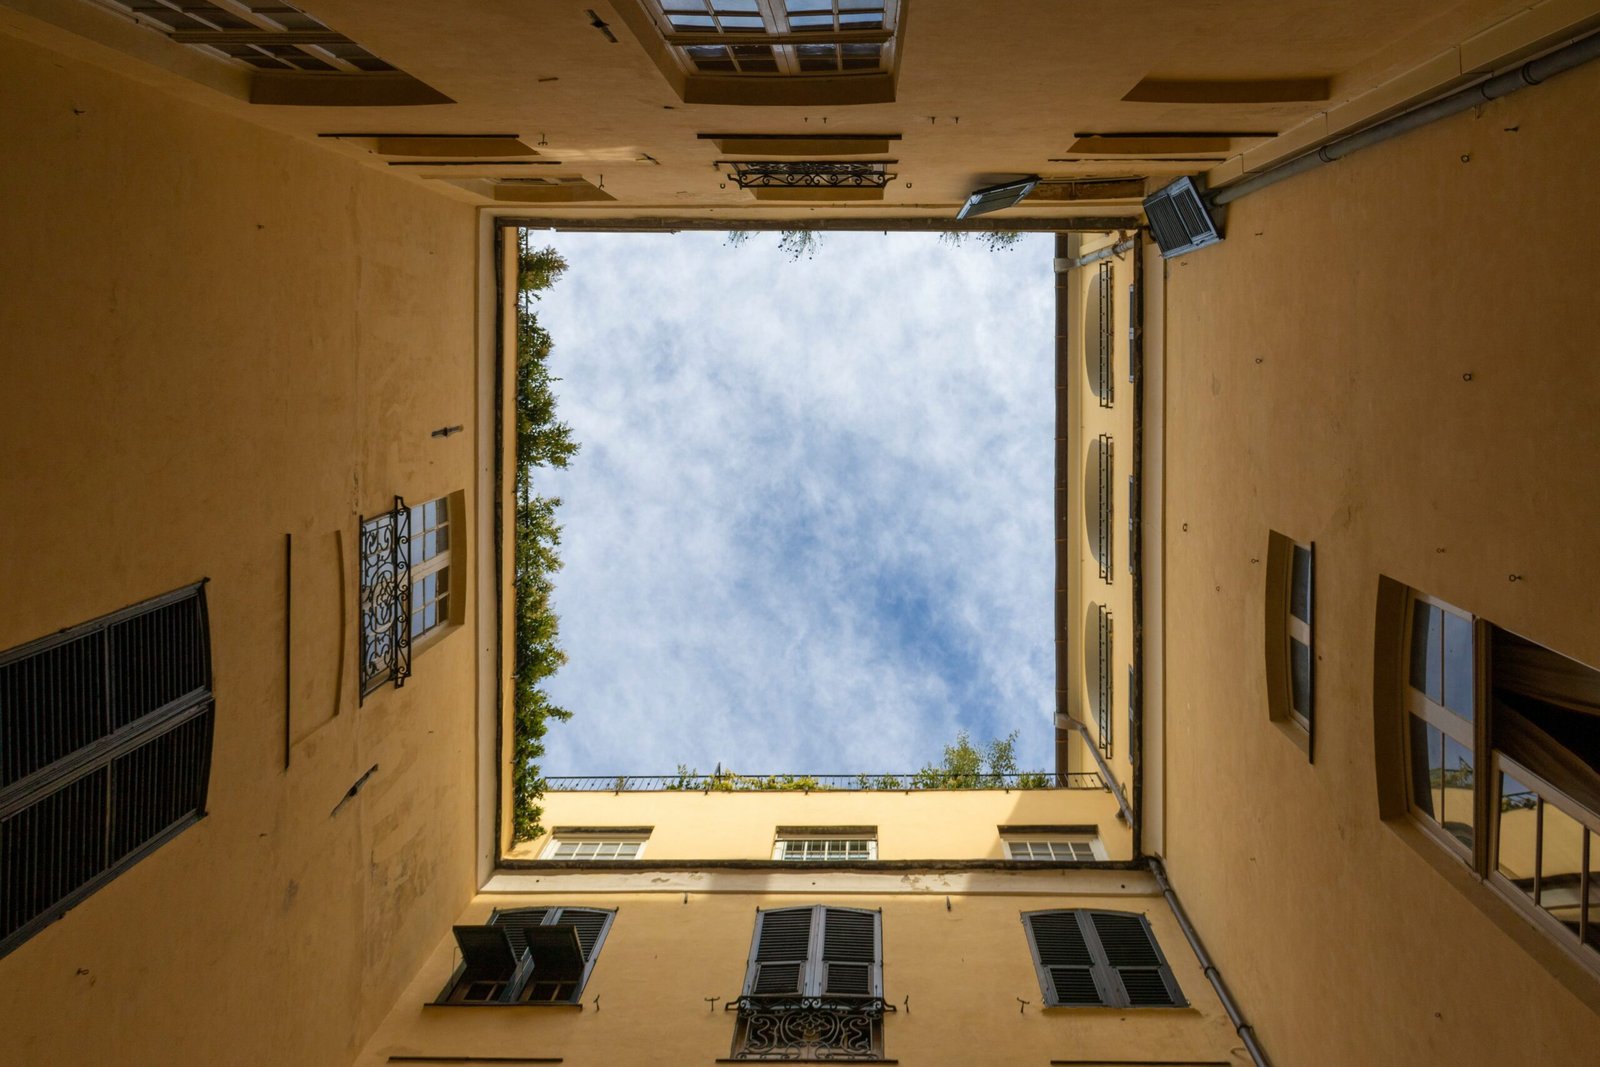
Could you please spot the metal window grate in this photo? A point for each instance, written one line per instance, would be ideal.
(1103, 705)
(1103, 556)
(1103, 342)
(106, 734)
(810, 174)
(385, 598)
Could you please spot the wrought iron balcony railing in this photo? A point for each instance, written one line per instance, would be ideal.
(1103, 340)
(728, 782)
(808, 174)
(809, 1028)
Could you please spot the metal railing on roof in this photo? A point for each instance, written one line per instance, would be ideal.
(728, 782)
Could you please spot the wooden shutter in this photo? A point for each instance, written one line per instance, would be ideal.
(590, 923)
(516, 922)
(852, 953)
(1068, 971)
(1088, 958)
(780, 955)
(105, 752)
(1134, 961)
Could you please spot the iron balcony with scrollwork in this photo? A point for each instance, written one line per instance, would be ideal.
(808, 1028)
(386, 598)
(809, 174)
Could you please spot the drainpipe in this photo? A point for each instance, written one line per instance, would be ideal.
(1533, 72)
(1104, 253)
(1247, 1033)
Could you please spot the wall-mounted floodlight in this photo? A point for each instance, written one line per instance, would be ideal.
(997, 197)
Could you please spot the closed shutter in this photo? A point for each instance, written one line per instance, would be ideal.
(851, 953)
(781, 953)
(1067, 970)
(1088, 958)
(1134, 960)
(105, 752)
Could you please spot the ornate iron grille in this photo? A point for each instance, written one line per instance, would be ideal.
(1103, 557)
(809, 1028)
(386, 598)
(1107, 380)
(1103, 710)
(808, 174)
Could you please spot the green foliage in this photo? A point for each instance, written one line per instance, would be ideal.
(721, 781)
(541, 441)
(966, 766)
(993, 240)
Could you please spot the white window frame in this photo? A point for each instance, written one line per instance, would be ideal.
(780, 848)
(557, 841)
(1097, 848)
(777, 33)
(424, 566)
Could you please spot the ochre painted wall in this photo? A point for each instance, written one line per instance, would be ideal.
(214, 336)
(1317, 367)
(955, 824)
(962, 964)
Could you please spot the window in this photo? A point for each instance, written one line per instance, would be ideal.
(1290, 661)
(105, 752)
(1097, 503)
(1099, 959)
(1097, 336)
(293, 54)
(595, 844)
(1438, 701)
(1061, 849)
(826, 844)
(1502, 763)
(408, 590)
(527, 956)
(779, 37)
(1097, 654)
(813, 986)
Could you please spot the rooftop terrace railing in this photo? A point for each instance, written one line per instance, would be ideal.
(728, 782)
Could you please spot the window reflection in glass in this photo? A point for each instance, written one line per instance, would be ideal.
(1560, 866)
(1455, 790)
(1591, 936)
(1300, 677)
(1427, 767)
(1519, 833)
(1426, 639)
(1300, 584)
(1458, 665)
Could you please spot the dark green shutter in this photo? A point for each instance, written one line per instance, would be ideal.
(851, 953)
(781, 953)
(1089, 958)
(1067, 968)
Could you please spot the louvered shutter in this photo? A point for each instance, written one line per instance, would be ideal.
(1134, 961)
(516, 922)
(590, 923)
(852, 953)
(1068, 969)
(781, 953)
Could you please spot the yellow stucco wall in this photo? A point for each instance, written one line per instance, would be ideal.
(963, 964)
(934, 824)
(214, 336)
(1316, 367)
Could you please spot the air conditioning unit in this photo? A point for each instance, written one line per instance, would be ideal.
(1180, 221)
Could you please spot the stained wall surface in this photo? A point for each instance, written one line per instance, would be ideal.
(215, 336)
(956, 962)
(958, 824)
(1393, 358)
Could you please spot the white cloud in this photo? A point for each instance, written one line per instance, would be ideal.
(809, 529)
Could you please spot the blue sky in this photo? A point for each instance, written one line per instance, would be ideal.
(809, 527)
